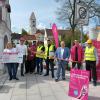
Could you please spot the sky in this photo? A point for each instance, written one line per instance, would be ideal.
(44, 11)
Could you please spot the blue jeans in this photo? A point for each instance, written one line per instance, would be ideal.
(11, 70)
(39, 64)
(61, 66)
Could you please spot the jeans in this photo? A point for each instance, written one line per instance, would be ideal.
(61, 66)
(11, 70)
(39, 64)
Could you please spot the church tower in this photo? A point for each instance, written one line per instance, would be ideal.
(33, 23)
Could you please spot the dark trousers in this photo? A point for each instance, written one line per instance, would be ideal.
(91, 66)
(11, 70)
(29, 66)
(39, 64)
(34, 64)
(78, 64)
(51, 63)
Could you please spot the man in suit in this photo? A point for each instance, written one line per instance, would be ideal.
(62, 55)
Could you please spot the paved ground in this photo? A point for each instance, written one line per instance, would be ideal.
(36, 87)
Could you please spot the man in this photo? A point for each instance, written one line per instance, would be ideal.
(62, 55)
(91, 59)
(22, 49)
(76, 54)
(39, 57)
(49, 56)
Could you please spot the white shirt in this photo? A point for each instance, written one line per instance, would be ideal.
(22, 49)
(12, 50)
(8, 50)
(62, 52)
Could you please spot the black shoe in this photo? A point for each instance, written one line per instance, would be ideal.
(22, 74)
(46, 74)
(40, 73)
(94, 83)
(31, 72)
(26, 72)
(56, 80)
(36, 73)
(16, 78)
(10, 79)
(63, 78)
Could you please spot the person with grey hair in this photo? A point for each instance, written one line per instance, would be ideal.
(62, 55)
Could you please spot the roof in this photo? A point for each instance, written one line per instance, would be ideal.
(16, 36)
(41, 32)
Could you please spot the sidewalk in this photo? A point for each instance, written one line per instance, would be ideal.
(36, 87)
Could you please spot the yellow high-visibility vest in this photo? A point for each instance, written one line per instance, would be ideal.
(51, 49)
(39, 54)
(89, 54)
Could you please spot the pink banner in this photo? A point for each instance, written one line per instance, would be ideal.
(55, 35)
(79, 84)
(97, 45)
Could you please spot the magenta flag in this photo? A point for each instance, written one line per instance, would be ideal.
(55, 35)
(79, 84)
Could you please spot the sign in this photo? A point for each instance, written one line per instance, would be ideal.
(97, 45)
(81, 14)
(55, 35)
(79, 84)
(11, 58)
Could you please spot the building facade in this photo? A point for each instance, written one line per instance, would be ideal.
(5, 24)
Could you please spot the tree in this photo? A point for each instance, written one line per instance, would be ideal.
(66, 12)
(24, 32)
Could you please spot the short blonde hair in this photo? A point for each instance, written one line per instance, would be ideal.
(9, 45)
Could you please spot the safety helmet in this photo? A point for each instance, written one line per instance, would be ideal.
(89, 41)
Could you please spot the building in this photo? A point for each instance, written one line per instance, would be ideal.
(5, 24)
(32, 23)
(40, 35)
(15, 37)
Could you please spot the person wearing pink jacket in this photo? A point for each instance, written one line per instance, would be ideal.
(76, 53)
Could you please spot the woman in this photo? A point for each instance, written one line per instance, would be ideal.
(11, 66)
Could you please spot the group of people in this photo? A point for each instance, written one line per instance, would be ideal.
(34, 55)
